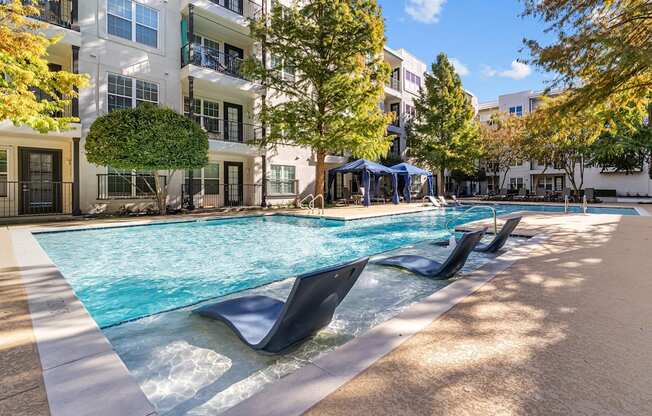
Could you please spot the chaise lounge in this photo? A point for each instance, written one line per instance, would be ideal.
(433, 269)
(499, 240)
(272, 326)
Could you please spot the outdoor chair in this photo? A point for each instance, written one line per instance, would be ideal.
(432, 269)
(499, 240)
(272, 326)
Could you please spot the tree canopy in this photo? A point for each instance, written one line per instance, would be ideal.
(31, 94)
(444, 133)
(326, 78)
(503, 143)
(602, 51)
(147, 138)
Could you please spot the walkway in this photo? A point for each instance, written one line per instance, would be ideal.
(567, 331)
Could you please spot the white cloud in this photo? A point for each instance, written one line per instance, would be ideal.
(425, 11)
(518, 70)
(461, 69)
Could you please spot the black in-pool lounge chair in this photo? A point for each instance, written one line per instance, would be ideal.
(433, 269)
(499, 240)
(272, 326)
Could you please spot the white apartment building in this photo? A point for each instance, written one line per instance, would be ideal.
(181, 54)
(533, 175)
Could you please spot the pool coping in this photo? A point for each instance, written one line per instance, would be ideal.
(298, 392)
(82, 372)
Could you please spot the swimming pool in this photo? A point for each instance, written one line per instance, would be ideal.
(126, 273)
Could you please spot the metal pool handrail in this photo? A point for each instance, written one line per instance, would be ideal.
(312, 204)
(309, 196)
(492, 209)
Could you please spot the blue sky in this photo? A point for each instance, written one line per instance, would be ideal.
(484, 37)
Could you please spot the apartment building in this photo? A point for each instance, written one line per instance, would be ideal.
(533, 175)
(181, 54)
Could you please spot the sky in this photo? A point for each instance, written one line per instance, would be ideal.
(483, 38)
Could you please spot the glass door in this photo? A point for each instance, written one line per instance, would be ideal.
(40, 181)
(233, 128)
(233, 187)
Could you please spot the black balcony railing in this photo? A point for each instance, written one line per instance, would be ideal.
(56, 12)
(277, 188)
(396, 122)
(217, 195)
(245, 8)
(35, 198)
(230, 131)
(394, 83)
(199, 55)
(126, 186)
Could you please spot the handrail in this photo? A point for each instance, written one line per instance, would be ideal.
(320, 196)
(585, 205)
(311, 196)
(566, 201)
(492, 209)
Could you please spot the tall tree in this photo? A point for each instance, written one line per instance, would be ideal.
(326, 78)
(503, 143)
(603, 50)
(148, 138)
(30, 94)
(444, 133)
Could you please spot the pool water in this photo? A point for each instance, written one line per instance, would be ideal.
(126, 273)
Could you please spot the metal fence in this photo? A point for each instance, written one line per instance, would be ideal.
(283, 188)
(199, 55)
(56, 12)
(394, 83)
(230, 131)
(126, 186)
(222, 195)
(245, 8)
(35, 198)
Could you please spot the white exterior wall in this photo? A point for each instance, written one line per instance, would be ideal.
(638, 184)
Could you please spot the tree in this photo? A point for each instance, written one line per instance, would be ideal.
(625, 148)
(564, 141)
(327, 77)
(30, 94)
(444, 133)
(602, 51)
(148, 138)
(503, 143)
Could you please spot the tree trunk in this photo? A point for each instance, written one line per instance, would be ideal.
(319, 177)
(160, 194)
(441, 182)
(502, 183)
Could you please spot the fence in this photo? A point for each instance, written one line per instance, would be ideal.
(35, 198)
(222, 195)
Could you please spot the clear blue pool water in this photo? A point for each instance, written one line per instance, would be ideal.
(126, 273)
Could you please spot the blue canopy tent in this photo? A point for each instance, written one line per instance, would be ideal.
(406, 171)
(367, 169)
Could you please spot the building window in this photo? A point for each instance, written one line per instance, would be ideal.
(515, 184)
(287, 72)
(121, 92)
(127, 184)
(206, 113)
(3, 173)
(413, 79)
(517, 110)
(206, 181)
(143, 29)
(282, 180)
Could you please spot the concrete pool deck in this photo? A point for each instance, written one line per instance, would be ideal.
(464, 346)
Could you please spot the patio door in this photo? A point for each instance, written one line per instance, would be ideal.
(40, 181)
(233, 128)
(233, 186)
(233, 57)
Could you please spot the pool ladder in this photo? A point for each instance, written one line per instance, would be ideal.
(475, 207)
(310, 199)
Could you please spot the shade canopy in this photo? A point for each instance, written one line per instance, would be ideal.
(407, 171)
(367, 169)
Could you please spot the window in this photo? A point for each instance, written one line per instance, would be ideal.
(205, 113)
(516, 183)
(282, 180)
(120, 22)
(410, 111)
(413, 80)
(3, 173)
(206, 181)
(286, 71)
(518, 110)
(123, 183)
(121, 92)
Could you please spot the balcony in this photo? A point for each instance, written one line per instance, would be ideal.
(55, 12)
(235, 14)
(230, 131)
(195, 54)
(246, 8)
(394, 83)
